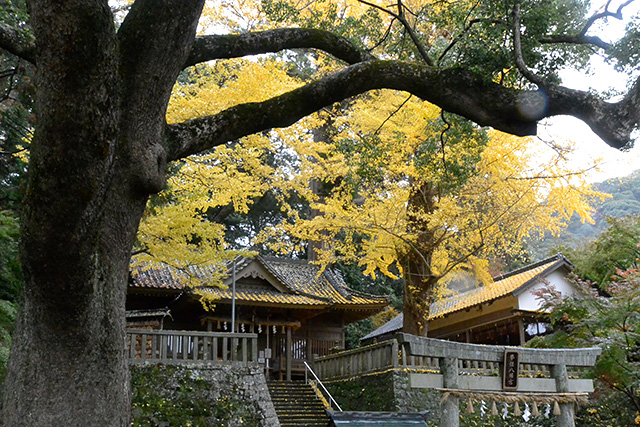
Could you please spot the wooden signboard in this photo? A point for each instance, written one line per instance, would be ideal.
(511, 370)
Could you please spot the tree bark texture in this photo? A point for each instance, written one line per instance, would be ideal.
(100, 149)
(96, 156)
(419, 279)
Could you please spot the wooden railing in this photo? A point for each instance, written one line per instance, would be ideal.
(303, 348)
(178, 347)
(347, 364)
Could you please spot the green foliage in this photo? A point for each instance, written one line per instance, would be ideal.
(10, 269)
(16, 110)
(355, 278)
(475, 35)
(10, 283)
(606, 409)
(626, 51)
(574, 240)
(354, 331)
(158, 399)
(7, 320)
(370, 393)
(624, 201)
(610, 322)
(616, 248)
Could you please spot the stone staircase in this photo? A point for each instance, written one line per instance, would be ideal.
(296, 404)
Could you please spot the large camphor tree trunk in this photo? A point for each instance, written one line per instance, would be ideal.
(101, 101)
(100, 148)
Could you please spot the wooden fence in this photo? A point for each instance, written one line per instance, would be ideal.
(179, 346)
(352, 363)
(474, 371)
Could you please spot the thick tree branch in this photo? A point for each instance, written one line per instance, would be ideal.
(613, 122)
(207, 48)
(15, 42)
(455, 90)
(517, 50)
(154, 40)
(576, 39)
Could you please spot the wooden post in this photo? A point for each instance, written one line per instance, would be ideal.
(394, 354)
(521, 330)
(244, 343)
(254, 350)
(566, 419)
(288, 347)
(450, 408)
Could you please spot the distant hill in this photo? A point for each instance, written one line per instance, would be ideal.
(625, 200)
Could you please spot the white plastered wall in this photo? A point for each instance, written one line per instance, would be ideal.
(527, 301)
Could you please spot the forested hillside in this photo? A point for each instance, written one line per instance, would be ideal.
(625, 201)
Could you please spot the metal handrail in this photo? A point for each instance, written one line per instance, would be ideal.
(308, 368)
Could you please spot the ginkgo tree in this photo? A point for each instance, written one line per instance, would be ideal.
(429, 197)
(177, 229)
(410, 190)
(101, 141)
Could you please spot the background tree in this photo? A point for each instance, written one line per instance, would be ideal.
(615, 249)
(16, 125)
(611, 322)
(624, 201)
(606, 315)
(101, 144)
(419, 194)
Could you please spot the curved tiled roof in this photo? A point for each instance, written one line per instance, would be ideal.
(309, 279)
(307, 284)
(499, 288)
(275, 298)
(509, 283)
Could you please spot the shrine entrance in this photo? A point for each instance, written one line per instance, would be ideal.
(475, 373)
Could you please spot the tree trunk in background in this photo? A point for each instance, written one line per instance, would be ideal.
(419, 280)
(93, 165)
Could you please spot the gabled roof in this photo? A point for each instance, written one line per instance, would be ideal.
(514, 283)
(294, 283)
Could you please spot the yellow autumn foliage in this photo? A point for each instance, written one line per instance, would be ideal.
(367, 218)
(509, 197)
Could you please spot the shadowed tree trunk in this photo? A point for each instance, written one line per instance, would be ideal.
(85, 200)
(419, 279)
(100, 149)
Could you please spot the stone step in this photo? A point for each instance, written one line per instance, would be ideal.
(296, 404)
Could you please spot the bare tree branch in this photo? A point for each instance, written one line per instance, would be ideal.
(17, 43)
(455, 90)
(517, 50)
(393, 113)
(582, 38)
(605, 14)
(400, 17)
(207, 48)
